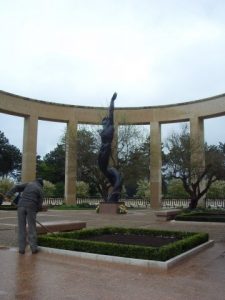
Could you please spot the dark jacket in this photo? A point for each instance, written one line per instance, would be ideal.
(31, 197)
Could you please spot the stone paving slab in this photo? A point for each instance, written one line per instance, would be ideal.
(50, 276)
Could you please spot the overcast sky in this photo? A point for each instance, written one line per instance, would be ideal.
(81, 51)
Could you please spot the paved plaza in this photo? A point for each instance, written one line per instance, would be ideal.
(53, 276)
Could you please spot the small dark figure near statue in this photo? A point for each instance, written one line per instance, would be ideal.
(105, 153)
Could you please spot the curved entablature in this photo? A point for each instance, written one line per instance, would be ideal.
(22, 106)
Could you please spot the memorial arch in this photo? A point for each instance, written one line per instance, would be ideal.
(33, 110)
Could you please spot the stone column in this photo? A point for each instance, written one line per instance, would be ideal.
(155, 164)
(29, 148)
(197, 149)
(71, 163)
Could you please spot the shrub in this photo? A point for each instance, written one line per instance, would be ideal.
(86, 205)
(5, 185)
(49, 189)
(75, 241)
(59, 190)
(143, 189)
(176, 190)
(8, 207)
(82, 189)
(217, 190)
(202, 215)
(74, 206)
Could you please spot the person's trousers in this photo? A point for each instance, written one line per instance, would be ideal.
(27, 216)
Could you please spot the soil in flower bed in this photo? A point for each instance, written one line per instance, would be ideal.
(133, 239)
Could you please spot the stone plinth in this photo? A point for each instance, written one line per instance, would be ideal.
(167, 214)
(109, 207)
(59, 226)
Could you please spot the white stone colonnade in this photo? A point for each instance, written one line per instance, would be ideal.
(33, 110)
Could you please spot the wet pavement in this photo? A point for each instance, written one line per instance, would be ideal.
(52, 276)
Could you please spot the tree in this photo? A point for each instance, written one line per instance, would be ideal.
(196, 179)
(87, 160)
(217, 190)
(133, 156)
(52, 167)
(175, 189)
(10, 158)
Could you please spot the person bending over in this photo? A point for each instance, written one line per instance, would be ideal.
(29, 204)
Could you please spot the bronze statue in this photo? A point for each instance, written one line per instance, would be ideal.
(110, 173)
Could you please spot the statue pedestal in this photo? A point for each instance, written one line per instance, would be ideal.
(109, 207)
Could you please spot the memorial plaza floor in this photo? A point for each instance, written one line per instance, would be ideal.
(53, 276)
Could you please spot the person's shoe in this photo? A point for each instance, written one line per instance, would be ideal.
(35, 251)
(21, 252)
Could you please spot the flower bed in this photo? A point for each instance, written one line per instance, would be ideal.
(82, 241)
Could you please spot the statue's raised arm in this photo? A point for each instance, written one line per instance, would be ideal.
(111, 108)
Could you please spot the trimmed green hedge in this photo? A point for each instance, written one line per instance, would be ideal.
(8, 207)
(80, 206)
(202, 216)
(73, 241)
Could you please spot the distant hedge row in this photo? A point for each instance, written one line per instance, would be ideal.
(202, 216)
(8, 207)
(73, 241)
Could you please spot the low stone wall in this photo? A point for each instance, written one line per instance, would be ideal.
(166, 214)
(59, 226)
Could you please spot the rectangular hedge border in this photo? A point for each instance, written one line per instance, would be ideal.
(73, 241)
